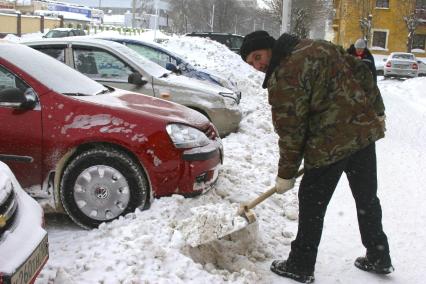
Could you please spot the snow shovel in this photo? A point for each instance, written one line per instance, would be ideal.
(245, 209)
(214, 224)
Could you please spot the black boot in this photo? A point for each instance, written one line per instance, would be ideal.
(281, 268)
(380, 266)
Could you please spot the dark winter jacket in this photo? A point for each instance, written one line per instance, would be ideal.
(367, 58)
(323, 104)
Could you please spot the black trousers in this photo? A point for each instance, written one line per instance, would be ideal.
(317, 187)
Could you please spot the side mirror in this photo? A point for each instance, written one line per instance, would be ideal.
(136, 78)
(173, 68)
(15, 98)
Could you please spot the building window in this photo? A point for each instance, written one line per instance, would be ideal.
(419, 42)
(382, 3)
(379, 39)
(421, 4)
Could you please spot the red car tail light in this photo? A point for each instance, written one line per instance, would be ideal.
(389, 64)
(415, 66)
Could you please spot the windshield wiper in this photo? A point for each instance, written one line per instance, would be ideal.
(104, 91)
(77, 94)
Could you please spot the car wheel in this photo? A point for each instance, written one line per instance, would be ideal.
(100, 185)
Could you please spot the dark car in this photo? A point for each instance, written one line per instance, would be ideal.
(97, 152)
(64, 32)
(232, 41)
(172, 61)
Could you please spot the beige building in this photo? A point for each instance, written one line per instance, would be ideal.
(386, 29)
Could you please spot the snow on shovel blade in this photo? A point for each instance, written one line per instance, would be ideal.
(211, 222)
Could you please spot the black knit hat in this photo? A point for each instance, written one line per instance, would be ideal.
(255, 41)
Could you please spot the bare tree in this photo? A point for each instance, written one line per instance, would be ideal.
(411, 19)
(366, 23)
(224, 12)
(365, 17)
(179, 15)
(307, 16)
(207, 15)
(412, 22)
(299, 25)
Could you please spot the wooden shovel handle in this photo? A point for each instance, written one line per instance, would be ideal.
(266, 194)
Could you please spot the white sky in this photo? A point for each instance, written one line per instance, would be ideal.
(145, 248)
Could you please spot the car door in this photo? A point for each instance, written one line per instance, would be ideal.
(106, 68)
(21, 133)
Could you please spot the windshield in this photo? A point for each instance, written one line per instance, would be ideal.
(49, 71)
(147, 65)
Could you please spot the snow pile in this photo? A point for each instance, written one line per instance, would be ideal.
(146, 247)
(210, 222)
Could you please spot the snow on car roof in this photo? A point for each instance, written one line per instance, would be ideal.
(147, 65)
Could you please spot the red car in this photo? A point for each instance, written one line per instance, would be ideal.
(95, 151)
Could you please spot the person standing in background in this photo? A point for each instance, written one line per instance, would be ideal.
(359, 50)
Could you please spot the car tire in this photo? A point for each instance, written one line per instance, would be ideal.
(101, 184)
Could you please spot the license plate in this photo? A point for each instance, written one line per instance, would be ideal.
(31, 267)
(402, 66)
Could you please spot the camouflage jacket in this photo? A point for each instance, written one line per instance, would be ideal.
(324, 106)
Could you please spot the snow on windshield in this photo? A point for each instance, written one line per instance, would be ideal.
(54, 74)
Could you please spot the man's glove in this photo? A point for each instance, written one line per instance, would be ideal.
(283, 185)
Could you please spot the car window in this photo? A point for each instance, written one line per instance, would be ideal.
(147, 65)
(56, 33)
(157, 56)
(218, 38)
(56, 52)
(99, 64)
(9, 80)
(236, 42)
(54, 74)
(403, 56)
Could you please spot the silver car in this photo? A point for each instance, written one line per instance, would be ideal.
(401, 64)
(116, 65)
(23, 240)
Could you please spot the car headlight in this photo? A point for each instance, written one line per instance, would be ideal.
(230, 85)
(184, 136)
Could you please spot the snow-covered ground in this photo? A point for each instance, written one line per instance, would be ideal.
(145, 247)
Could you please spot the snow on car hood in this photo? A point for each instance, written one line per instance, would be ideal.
(154, 107)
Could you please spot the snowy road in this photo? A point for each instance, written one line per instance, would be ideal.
(144, 247)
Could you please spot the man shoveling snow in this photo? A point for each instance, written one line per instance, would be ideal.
(328, 111)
